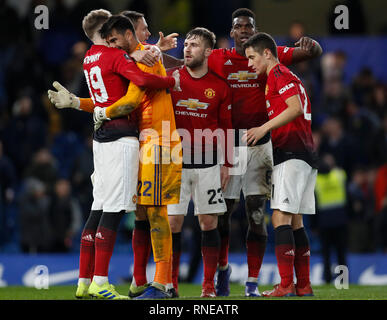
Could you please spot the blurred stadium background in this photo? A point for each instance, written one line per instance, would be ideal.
(46, 157)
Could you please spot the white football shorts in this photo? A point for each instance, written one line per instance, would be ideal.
(115, 175)
(293, 187)
(204, 186)
(251, 172)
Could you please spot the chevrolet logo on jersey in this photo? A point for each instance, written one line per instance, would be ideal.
(242, 76)
(192, 104)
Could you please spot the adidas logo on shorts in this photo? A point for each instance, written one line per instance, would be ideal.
(286, 201)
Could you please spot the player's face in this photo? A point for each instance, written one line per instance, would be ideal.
(256, 61)
(142, 31)
(195, 52)
(118, 40)
(242, 29)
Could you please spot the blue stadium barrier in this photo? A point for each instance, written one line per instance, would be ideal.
(62, 269)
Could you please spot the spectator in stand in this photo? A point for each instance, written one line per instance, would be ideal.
(43, 168)
(361, 211)
(35, 232)
(363, 85)
(80, 177)
(335, 141)
(332, 218)
(25, 133)
(378, 100)
(8, 185)
(65, 217)
(361, 125)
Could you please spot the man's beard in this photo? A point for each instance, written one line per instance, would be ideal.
(195, 63)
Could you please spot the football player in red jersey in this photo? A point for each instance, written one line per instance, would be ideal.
(108, 72)
(295, 163)
(253, 176)
(203, 119)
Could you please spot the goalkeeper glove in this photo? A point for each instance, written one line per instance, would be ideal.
(99, 116)
(63, 98)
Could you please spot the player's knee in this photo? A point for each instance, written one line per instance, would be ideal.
(176, 223)
(208, 221)
(255, 208)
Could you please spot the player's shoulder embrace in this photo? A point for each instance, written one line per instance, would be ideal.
(115, 52)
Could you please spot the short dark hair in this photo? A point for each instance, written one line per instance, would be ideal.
(134, 16)
(208, 36)
(261, 41)
(118, 22)
(242, 12)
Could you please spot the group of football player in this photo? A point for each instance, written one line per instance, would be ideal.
(204, 128)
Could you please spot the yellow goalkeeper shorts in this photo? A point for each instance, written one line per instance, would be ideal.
(159, 175)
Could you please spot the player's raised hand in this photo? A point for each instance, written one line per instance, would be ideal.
(167, 43)
(176, 76)
(147, 57)
(99, 116)
(62, 98)
(305, 43)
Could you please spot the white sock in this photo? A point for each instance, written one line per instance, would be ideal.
(251, 279)
(100, 280)
(86, 281)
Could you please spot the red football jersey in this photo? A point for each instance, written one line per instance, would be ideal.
(247, 87)
(201, 109)
(108, 72)
(294, 138)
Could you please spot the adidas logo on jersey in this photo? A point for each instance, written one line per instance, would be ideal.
(228, 63)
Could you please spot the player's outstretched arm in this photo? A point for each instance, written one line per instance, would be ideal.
(293, 111)
(306, 49)
(62, 98)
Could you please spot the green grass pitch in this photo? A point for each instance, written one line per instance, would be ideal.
(192, 292)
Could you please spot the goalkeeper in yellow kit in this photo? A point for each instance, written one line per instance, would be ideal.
(160, 158)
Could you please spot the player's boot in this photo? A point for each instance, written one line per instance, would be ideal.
(135, 291)
(223, 282)
(82, 291)
(306, 291)
(208, 291)
(153, 292)
(106, 291)
(279, 291)
(251, 289)
(173, 293)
